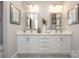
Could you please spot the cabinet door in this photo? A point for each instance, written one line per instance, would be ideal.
(33, 44)
(53, 44)
(56, 44)
(22, 44)
(65, 44)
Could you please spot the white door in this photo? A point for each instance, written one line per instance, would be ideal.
(33, 44)
(22, 44)
(66, 44)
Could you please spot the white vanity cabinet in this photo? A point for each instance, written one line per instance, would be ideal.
(44, 43)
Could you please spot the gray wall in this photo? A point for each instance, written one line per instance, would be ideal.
(1, 22)
(9, 30)
(74, 28)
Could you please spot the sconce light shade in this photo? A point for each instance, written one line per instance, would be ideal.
(55, 8)
(34, 8)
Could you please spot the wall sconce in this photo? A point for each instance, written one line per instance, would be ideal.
(34, 8)
(55, 8)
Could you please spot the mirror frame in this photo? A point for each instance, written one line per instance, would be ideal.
(18, 15)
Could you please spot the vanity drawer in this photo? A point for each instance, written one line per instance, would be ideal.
(44, 40)
(44, 50)
(44, 46)
(44, 37)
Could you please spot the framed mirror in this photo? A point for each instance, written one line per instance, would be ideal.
(31, 21)
(14, 15)
(55, 21)
(73, 15)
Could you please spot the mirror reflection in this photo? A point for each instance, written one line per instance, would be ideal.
(32, 21)
(55, 21)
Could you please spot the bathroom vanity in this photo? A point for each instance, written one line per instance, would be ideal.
(44, 42)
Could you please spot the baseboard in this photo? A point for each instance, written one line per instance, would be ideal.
(14, 55)
(1, 54)
(75, 54)
(38, 54)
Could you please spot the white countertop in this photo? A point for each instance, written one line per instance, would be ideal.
(44, 33)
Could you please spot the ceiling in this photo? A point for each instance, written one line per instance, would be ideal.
(44, 2)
